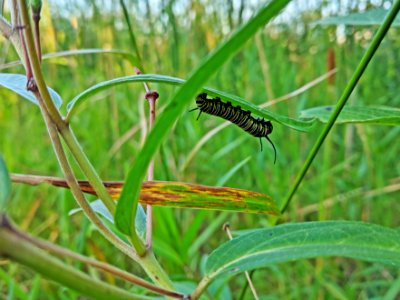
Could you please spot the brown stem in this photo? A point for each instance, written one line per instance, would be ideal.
(151, 96)
(30, 85)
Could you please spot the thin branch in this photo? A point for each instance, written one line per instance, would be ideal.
(300, 90)
(358, 192)
(250, 282)
(152, 97)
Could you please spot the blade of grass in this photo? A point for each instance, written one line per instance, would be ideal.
(138, 59)
(127, 205)
(343, 99)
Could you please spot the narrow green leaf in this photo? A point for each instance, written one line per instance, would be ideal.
(126, 208)
(74, 104)
(138, 59)
(5, 184)
(368, 18)
(290, 242)
(356, 114)
(17, 84)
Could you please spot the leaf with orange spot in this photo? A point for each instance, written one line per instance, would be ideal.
(177, 194)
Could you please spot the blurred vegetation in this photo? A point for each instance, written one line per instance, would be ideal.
(355, 169)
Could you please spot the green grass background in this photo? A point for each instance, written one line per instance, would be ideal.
(173, 39)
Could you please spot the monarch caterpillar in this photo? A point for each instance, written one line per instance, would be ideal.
(235, 114)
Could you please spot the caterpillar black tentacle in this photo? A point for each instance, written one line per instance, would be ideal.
(235, 114)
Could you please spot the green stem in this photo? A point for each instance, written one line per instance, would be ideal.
(15, 247)
(153, 269)
(37, 73)
(343, 99)
(75, 189)
(138, 244)
(87, 168)
(55, 116)
(64, 253)
(200, 288)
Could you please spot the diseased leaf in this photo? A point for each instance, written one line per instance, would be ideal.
(5, 184)
(177, 194)
(17, 84)
(290, 242)
(356, 114)
(297, 124)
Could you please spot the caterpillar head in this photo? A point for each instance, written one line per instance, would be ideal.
(201, 98)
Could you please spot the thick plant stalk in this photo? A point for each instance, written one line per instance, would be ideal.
(16, 248)
(65, 253)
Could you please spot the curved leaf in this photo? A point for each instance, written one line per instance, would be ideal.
(17, 84)
(175, 194)
(269, 115)
(356, 114)
(290, 242)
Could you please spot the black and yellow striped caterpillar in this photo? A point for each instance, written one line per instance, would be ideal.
(235, 114)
